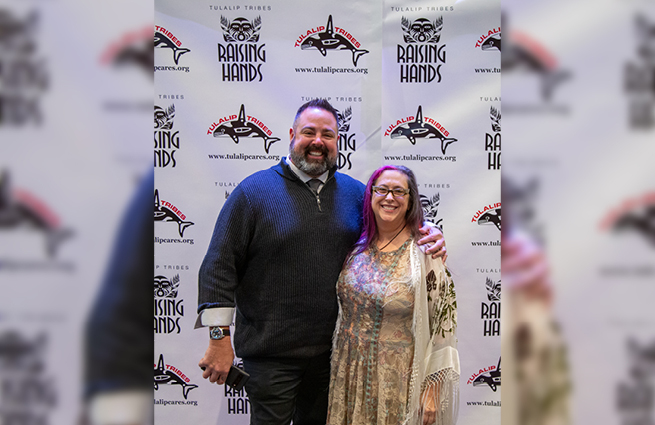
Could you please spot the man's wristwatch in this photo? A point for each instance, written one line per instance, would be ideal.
(216, 332)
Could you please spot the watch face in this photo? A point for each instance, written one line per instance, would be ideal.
(216, 333)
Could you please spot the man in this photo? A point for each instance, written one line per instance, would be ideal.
(277, 249)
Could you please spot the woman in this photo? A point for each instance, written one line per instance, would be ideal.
(394, 359)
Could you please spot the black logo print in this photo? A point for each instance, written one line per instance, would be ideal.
(241, 58)
(164, 117)
(492, 141)
(28, 390)
(493, 290)
(238, 128)
(639, 77)
(165, 211)
(635, 393)
(241, 30)
(333, 40)
(163, 41)
(640, 221)
(526, 54)
(494, 114)
(18, 353)
(430, 208)
(418, 129)
(172, 376)
(421, 57)
(421, 30)
(168, 309)
(165, 288)
(491, 379)
(139, 54)
(347, 141)
(22, 210)
(491, 43)
(490, 217)
(23, 74)
(490, 312)
(167, 142)
(344, 119)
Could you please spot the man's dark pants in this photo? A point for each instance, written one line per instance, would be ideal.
(281, 389)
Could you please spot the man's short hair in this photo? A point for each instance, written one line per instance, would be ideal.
(320, 104)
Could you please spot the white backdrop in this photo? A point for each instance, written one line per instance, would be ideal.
(398, 63)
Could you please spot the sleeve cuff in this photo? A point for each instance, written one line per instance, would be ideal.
(121, 407)
(220, 316)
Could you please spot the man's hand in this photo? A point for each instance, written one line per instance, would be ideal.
(435, 240)
(217, 360)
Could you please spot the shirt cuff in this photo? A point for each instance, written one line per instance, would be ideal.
(121, 407)
(219, 316)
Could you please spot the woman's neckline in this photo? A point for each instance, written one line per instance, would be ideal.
(376, 249)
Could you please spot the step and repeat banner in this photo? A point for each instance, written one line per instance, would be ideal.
(416, 83)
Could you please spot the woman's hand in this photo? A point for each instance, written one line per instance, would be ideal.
(429, 407)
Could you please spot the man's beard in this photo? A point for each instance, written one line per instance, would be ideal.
(312, 168)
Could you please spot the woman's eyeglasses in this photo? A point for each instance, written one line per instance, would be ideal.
(396, 193)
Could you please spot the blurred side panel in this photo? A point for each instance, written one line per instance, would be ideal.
(578, 102)
(75, 105)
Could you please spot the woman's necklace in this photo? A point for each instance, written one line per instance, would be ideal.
(387, 244)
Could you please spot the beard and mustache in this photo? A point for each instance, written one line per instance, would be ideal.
(311, 167)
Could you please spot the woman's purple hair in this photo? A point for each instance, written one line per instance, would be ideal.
(413, 217)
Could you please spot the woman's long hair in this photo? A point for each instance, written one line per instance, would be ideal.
(413, 217)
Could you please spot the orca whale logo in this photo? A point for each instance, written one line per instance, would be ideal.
(165, 288)
(641, 222)
(241, 30)
(421, 30)
(523, 53)
(491, 217)
(168, 377)
(141, 55)
(493, 290)
(329, 40)
(242, 128)
(491, 379)
(430, 208)
(164, 213)
(418, 129)
(163, 42)
(21, 209)
(491, 43)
